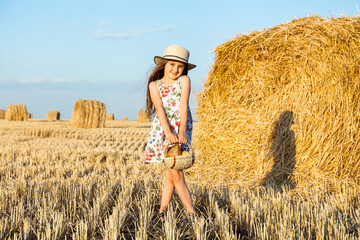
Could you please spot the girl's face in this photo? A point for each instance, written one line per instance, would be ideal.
(173, 69)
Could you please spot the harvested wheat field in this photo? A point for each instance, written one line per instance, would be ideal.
(60, 182)
(281, 106)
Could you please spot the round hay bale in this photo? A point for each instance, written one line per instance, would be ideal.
(142, 117)
(2, 113)
(110, 116)
(53, 115)
(88, 114)
(125, 118)
(16, 112)
(29, 116)
(282, 105)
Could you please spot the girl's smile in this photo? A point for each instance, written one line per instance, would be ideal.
(173, 70)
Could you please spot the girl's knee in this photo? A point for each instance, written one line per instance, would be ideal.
(177, 176)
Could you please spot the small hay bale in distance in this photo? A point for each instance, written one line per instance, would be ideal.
(16, 112)
(142, 117)
(125, 118)
(282, 105)
(88, 114)
(29, 115)
(53, 115)
(2, 113)
(110, 116)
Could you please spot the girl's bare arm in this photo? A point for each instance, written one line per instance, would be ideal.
(184, 104)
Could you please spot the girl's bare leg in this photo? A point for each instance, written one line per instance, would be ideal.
(175, 180)
(167, 193)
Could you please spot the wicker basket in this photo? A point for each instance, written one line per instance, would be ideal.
(179, 162)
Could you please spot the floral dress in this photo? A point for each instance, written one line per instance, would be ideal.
(170, 96)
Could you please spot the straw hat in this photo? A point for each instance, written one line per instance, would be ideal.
(176, 53)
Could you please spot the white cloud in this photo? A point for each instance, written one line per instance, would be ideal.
(104, 23)
(105, 34)
(38, 80)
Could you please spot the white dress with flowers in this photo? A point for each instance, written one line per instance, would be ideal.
(170, 96)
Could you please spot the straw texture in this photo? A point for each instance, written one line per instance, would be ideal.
(53, 115)
(16, 112)
(282, 105)
(88, 114)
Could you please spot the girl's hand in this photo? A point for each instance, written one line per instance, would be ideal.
(172, 138)
(182, 138)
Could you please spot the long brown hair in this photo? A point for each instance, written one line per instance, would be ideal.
(156, 74)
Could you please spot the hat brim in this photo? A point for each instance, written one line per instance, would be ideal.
(158, 60)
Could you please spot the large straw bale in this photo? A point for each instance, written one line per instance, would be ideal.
(53, 115)
(110, 116)
(16, 112)
(88, 114)
(2, 113)
(282, 105)
(142, 117)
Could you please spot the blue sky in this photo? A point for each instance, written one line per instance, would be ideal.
(55, 52)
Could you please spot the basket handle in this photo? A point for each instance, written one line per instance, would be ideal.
(173, 163)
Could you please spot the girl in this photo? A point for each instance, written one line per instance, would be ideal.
(167, 99)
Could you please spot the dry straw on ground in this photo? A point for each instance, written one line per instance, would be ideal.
(281, 106)
(53, 115)
(16, 112)
(88, 114)
(142, 117)
(58, 182)
(2, 113)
